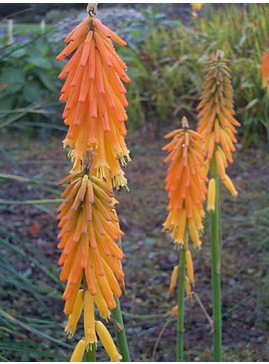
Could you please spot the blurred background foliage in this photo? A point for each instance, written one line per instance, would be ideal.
(166, 56)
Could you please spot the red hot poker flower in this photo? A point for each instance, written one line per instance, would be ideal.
(95, 107)
(265, 70)
(217, 122)
(89, 228)
(185, 184)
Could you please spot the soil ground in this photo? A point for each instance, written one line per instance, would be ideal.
(149, 253)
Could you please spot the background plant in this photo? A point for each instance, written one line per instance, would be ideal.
(28, 81)
(166, 56)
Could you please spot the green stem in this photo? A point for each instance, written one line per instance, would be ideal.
(180, 305)
(216, 269)
(91, 354)
(120, 332)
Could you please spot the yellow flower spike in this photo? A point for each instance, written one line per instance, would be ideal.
(75, 315)
(211, 197)
(174, 277)
(89, 322)
(185, 183)
(101, 304)
(216, 113)
(107, 342)
(89, 234)
(78, 352)
(230, 186)
(189, 265)
(188, 288)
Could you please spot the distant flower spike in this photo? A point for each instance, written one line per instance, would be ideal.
(185, 184)
(196, 7)
(265, 70)
(217, 122)
(95, 107)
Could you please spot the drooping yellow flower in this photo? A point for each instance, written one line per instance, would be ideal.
(95, 99)
(217, 122)
(185, 184)
(78, 352)
(173, 280)
(189, 265)
(89, 321)
(265, 70)
(188, 288)
(107, 342)
(211, 195)
(75, 315)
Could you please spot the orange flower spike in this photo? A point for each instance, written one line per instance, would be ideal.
(95, 98)
(216, 114)
(185, 184)
(265, 70)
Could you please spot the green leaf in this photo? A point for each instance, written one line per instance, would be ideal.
(47, 80)
(39, 62)
(32, 91)
(7, 102)
(19, 53)
(13, 77)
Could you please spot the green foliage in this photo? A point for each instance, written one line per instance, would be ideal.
(28, 335)
(166, 60)
(29, 86)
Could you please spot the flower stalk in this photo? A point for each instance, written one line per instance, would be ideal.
(180, 304)
(218, 127)
(216, 268)
(120, 332)
(90, 233)
(91, 355)
(186, 188)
